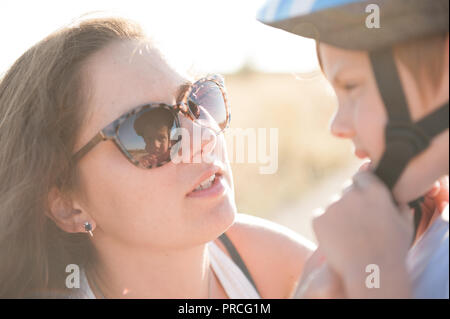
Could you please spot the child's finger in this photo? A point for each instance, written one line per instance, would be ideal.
(435, 189)
(441, 198)
(365, 167)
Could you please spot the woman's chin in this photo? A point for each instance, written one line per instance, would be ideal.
(219, 219)
(225, 213)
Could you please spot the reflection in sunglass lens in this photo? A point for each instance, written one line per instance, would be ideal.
(207, 104)
(146, 136)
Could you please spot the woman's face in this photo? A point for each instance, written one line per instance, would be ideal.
(149, 207)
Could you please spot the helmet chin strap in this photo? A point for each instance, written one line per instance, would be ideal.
(403, 139)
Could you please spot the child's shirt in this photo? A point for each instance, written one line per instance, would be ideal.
(427, 261)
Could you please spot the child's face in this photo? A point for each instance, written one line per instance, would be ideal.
(361, 115)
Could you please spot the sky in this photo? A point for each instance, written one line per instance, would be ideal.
(197, 35)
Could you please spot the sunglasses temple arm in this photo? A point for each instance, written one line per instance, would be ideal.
(85, 149)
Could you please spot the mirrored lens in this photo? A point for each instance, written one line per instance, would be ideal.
(207, 104)
(146, 136)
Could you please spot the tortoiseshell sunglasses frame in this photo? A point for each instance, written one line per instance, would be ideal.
(110, 131)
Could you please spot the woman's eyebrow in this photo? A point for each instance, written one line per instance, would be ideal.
(182, 90)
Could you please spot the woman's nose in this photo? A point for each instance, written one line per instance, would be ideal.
(341, 124)
(202, 140)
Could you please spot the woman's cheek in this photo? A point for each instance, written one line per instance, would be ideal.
(144, 215)
(133, 203)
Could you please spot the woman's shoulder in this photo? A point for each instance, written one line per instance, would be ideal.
(274, 254)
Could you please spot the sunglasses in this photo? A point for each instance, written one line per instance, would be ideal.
(145, 134)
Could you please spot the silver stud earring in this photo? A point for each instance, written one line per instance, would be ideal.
(88, 228)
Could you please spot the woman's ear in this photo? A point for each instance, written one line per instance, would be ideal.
(66, 215)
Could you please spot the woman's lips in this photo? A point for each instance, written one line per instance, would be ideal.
(216, 189)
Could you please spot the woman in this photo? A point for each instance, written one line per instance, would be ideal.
(136, 228)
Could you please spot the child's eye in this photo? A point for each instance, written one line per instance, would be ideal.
(350, 86)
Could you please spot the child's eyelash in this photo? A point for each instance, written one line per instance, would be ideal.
(350, 87)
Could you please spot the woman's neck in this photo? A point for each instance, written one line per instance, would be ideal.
(128, 272)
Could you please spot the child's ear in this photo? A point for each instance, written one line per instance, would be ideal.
(66, 215)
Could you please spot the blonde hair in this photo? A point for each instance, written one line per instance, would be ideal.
(424, 56)
(41, 99)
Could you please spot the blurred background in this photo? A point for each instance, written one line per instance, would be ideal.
(272, 77)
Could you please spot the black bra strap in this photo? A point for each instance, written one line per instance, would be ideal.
(237, 258)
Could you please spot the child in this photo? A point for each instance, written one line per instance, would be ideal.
(388, 64)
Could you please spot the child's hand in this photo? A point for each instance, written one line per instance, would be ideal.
(437, 197)
(365, 227)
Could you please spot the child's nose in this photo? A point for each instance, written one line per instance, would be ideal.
(341, 125)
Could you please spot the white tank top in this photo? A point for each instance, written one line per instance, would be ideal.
(232, 279)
